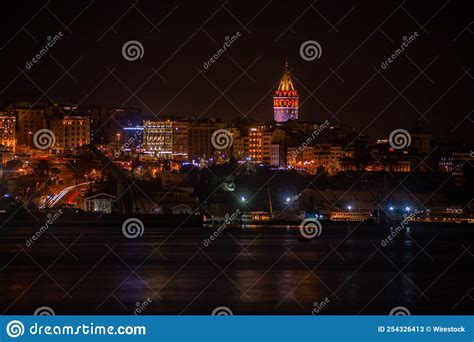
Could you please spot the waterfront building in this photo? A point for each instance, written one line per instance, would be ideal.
(99, 203)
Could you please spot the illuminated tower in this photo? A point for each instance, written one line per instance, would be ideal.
(285, 99)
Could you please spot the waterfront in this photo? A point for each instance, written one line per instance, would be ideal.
(251, 270)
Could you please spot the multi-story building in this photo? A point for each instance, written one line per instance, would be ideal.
(166, 139)
(180, 140)
(310, 158)
(455, 162)
(31, 118)
(285, 99)
(240, 146)
(199, 138)
(256, 146)
(270, 151)
(7, 131)
(70, 132)
(421, 142)
(108, 122)
(158, 138)
(397, 166)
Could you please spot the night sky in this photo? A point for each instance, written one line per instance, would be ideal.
(179, 36)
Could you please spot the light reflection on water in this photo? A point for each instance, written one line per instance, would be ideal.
(275, 274)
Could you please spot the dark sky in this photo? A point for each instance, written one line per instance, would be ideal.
(179, 36)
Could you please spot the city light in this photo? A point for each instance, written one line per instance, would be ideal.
(391, 208)
(407, 208)
(242, 199)
(288, 200)
(349, 207)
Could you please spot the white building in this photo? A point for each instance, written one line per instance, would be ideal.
(100, 203)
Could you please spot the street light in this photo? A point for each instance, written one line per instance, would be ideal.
(242, 199)
(288, 200)
(349, 207)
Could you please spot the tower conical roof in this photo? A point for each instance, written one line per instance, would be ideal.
(286, 83)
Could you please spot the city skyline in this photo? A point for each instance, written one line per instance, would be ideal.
(348, 89)
(285, 94)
